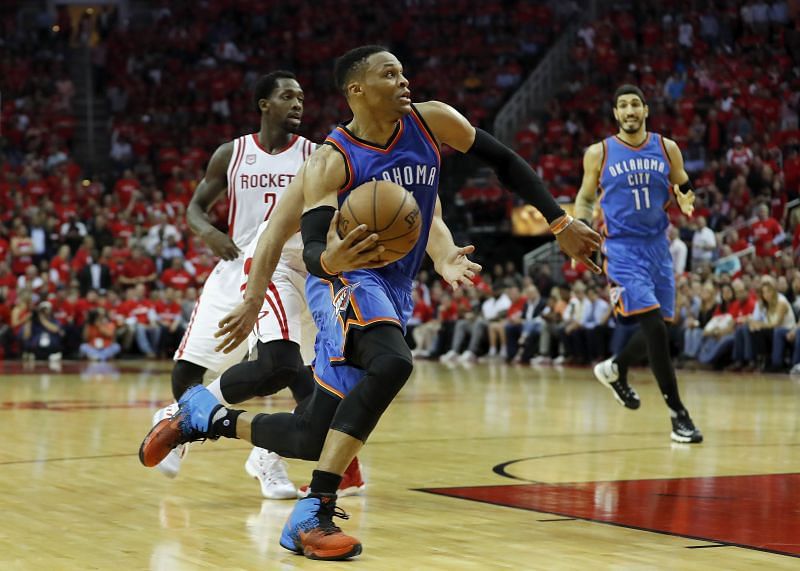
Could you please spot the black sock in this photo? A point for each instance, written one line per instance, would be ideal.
(657, 340)
(223, 422)
(324, 482)
(633, 351)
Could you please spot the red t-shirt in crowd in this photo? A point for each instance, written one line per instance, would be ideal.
(178, 279)
(763, 233)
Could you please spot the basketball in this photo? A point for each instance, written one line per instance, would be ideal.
(388, 210)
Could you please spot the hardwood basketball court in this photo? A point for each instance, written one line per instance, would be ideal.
(487, 467)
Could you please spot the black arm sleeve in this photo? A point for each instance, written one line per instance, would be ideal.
(515, 173)
(314, 228)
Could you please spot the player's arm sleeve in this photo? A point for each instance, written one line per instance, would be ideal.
(515, 173)
(314, 228)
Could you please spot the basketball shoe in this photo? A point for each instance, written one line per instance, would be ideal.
(684, 430)
(171, 465)
(352, 483)
(270, 470)
(310, 530)
(192, 422)
(607, 373)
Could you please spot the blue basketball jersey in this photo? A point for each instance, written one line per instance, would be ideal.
(635, 187)
(410, 159)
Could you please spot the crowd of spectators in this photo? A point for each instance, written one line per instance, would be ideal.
(106, 266)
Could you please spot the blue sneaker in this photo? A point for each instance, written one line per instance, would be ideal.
(192, 422)
(310, 530)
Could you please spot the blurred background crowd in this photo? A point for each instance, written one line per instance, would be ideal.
(109, 117)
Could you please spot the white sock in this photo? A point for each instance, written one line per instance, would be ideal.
(214, 389)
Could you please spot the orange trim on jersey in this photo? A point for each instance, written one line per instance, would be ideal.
(325, 385)
(631, 147)
(351, 177)
(605, 157)
(664, 149)
(621, 309)
(602, 222)
(292, 141)
(365, 145)
(424, 128)
(371, 321)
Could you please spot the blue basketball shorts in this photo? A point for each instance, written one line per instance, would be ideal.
(356, 300)
(641, 276)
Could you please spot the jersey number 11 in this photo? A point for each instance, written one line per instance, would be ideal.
(645, 194)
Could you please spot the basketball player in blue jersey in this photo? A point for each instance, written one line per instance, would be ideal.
(637, 173)
(360, 368)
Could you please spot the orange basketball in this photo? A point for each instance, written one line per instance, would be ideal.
(388, 210)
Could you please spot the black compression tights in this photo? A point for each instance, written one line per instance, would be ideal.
(382, 351)
(279, 365)
(654, 337)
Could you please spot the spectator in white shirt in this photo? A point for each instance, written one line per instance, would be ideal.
(704, 244)
(678, 250)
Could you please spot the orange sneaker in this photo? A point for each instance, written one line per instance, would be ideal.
(352, 483)
(310, 530)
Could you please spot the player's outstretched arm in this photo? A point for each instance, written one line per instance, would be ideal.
(587, 193)
(449, 261)
(210, 189)
(450, 127)
(681, 185)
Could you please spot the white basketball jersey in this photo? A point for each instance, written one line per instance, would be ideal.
(256, 182)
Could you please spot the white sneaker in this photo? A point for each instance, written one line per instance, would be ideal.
(795, 369)
(449, 356)
(171, 464)
(270, 470)
(606, 371)
(467, 357)
(540, 360)
(559, 360)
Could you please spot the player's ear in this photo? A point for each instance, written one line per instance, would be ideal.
(263, 104)
(646, 111)
(354, 89)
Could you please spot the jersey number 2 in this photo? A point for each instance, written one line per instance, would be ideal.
(270, 198)
(645, 194)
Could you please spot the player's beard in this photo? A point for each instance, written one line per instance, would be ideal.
(637, 125)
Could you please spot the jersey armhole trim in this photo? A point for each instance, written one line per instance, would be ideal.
(426, 130)
(603, 161)
(348, 171)
(664, 150)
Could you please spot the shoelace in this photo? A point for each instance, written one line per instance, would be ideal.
(625, 390)
(188, 432)
(326, 515)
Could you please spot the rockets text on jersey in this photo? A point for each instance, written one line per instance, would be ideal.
(257, 180)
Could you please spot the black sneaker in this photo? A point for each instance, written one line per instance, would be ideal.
(607, 373)
(684, 430)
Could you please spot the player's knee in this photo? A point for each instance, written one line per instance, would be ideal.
(279, 364)
(184, 375)
(388, 374)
